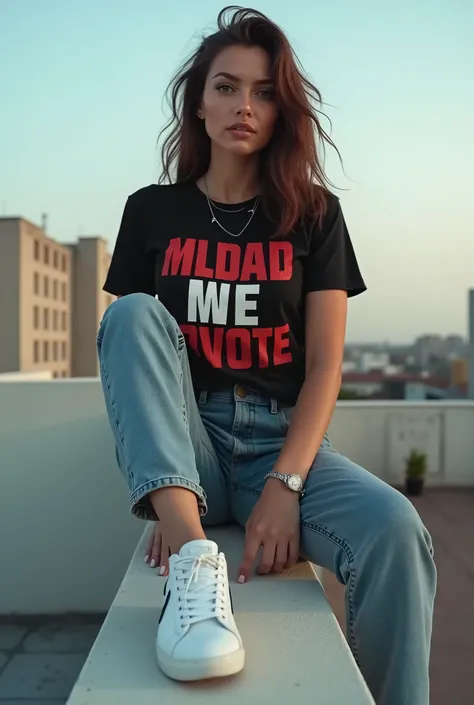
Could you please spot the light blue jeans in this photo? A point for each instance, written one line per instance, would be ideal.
(222, 444)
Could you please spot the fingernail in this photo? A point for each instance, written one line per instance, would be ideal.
(153, 563)
(241, 579)
(162, 570)
(146, 559)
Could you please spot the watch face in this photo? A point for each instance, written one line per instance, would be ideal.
(295, 483)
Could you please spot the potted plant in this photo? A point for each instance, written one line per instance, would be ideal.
(416, 465)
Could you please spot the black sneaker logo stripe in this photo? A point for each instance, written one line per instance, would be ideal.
(164, 606)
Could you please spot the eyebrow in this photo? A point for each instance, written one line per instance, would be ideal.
(236, 79)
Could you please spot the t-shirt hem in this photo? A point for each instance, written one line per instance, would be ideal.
(354, 290)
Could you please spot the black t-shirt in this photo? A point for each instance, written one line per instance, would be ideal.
(238, 300)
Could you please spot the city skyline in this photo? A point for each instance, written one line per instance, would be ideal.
(84, 87)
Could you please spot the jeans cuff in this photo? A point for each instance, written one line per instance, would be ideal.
(141, 506)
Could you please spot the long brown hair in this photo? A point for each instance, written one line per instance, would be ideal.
(293, 180)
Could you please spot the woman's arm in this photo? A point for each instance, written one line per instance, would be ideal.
(325, 332)
(275, 520)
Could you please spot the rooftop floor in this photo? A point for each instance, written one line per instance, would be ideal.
(40, 658)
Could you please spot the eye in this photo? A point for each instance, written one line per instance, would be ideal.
(267, 93)
(224, 88)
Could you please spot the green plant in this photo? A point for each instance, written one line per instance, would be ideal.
(416, 465)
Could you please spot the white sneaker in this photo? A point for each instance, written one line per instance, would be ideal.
(197, 635)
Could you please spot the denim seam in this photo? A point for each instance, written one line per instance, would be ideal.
(233, 461)
(210, 450)
(284, 423)
(352, 578)
(151, 485)
(117, 424)
(238, 486)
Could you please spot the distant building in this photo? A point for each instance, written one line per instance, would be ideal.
(373, 360)
(51, 300)
(428, 348)
(380, 385)
(459, 372)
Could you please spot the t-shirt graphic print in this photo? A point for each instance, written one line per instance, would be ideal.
(223, 316)
(240, 302)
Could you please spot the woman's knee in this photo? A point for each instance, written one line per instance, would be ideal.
(130, 307)
(136, 311)
(397, 522)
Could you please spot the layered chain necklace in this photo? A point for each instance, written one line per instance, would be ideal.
(213, 207)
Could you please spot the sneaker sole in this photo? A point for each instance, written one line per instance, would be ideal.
(219, 667)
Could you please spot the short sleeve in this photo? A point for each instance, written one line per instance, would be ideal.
(331, 263)
(131, 268)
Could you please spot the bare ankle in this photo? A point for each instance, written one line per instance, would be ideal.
(178, 512)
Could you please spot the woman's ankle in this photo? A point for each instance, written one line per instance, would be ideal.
(178, 512)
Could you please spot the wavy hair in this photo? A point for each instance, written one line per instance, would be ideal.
(292, 176)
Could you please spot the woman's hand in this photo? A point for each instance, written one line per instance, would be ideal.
(158, 550)
(273, 524)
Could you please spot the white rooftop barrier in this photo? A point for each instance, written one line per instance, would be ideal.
(295, 650)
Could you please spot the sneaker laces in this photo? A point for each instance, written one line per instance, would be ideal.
(201, 587)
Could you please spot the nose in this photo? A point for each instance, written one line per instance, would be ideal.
(244, 111)
(244, 107)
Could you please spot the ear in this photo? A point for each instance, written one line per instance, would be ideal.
(200, 113)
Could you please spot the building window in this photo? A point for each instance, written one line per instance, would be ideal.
(63, 373)
(55, 351)
(46, 350)
(36, 284)
(63, 350)
(55, 259)
(64, 263)
(46, 254)
(36, 317)
(55, 375)
(46, 319)
(46, 286)
(63, 291)
(55, 320)
(55, 289)
(36, 250)
(64, 320)
(36, 351)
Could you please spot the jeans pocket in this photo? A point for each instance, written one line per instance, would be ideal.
(285, 414)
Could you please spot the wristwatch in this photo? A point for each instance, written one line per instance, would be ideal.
(293, 482)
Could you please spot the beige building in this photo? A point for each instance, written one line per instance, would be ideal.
(51, 301)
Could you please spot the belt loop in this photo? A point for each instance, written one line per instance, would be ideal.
(273, 406)
(203, 396)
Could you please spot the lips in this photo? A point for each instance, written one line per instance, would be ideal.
(242, 127)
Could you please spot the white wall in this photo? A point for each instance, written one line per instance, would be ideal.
(379, 435)
(66, 532)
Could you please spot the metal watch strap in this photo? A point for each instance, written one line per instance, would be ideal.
(284, 478)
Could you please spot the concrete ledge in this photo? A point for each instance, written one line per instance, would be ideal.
(295, 650)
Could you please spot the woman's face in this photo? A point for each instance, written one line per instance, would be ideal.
(238, 103)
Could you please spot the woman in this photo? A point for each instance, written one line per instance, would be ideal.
(221, 365)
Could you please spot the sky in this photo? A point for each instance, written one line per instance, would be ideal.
(81, 105)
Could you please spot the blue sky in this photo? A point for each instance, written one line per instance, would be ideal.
(81, 85)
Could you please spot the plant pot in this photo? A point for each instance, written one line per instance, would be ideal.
(414, 485)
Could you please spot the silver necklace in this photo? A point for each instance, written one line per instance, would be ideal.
(214, 219)
(226, 210)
